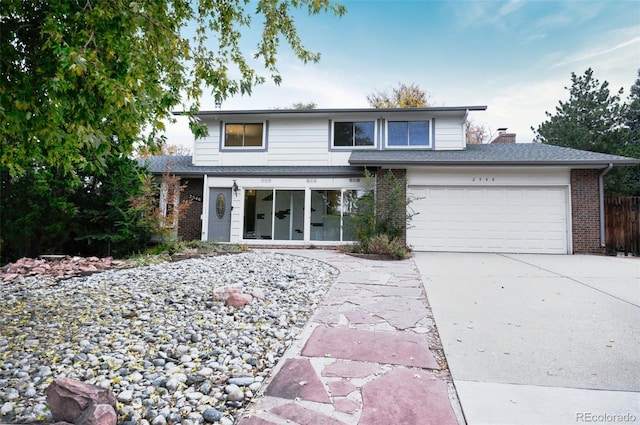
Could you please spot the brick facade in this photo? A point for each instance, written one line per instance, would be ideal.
(190, 225)
(585, 211)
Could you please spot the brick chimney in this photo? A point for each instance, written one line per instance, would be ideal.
(504, 137)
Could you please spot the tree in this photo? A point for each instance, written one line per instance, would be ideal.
(403, 96)
(632, 113)
(80, 80)
(589, 120)
(302, 105)
(145, 151)
(91, 215)
(596, 120)
(475, 133)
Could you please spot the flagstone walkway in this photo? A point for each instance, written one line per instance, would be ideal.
(369, 356)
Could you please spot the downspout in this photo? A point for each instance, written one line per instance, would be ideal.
(601, 187)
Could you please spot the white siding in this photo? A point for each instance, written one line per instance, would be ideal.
(206, 150)
(488, 176)
(449, 134)
(289, 142)
(306, 140)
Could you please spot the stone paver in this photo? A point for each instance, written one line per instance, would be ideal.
(365, 357)
(417, 399)
(298, 379)
(379, 347)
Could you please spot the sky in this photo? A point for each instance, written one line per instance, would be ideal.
(516, 57)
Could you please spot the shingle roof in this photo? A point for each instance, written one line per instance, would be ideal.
(182, 165)
(490, 154)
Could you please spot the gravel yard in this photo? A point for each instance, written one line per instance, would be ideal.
(156, 336)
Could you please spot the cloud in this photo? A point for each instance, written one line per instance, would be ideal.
(486, 13)
(571, 14)
(594, 54)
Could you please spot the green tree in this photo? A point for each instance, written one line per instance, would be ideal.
(80, 80)
(591, 119)
(632, 114)
(403, 96)
(92, 215)
(596, 120)
(106, 223)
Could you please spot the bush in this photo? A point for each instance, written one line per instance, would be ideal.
(382, 245)
(379, 223)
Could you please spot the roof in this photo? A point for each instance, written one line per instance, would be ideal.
(516, 154)
(435, 110)
(183, 166)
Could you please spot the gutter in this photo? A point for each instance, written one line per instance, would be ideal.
(601, 187)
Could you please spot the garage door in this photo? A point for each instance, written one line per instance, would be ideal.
(489, 219)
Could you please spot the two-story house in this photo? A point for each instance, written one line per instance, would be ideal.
(287, 177)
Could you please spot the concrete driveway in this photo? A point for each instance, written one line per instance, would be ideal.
(539, 339)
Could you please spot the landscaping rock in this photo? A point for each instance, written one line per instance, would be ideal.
(98, 414)
(238, 300)
(69, 399)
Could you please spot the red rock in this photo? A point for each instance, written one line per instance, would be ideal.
(346, 405)
(297, 379)
(238, 300)
(98, 414)
(406, 349)
(68, 399)
(407, 396)
(351, 369)
(254, 420)
(341, 388)
(54, 266)
(300, 415)
(222, 293)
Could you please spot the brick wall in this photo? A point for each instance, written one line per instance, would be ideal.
(585, 211)
(382, 190)
(190, 225)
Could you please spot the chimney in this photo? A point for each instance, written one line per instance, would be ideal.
(504, 137)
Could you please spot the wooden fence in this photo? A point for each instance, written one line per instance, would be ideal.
(622, 224)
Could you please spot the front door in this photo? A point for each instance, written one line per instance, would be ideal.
(219, 214)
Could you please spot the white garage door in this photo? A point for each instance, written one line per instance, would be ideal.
(489, 219)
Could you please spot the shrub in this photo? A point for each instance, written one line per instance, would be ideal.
(379, 222)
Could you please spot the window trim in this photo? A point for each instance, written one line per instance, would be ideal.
(223, 138)
(332, 126)
(429, 144)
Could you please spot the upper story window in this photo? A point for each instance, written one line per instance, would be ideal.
(348, 134)
(240, 135)
(408, 133)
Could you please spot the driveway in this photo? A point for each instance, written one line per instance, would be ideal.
(539, 339)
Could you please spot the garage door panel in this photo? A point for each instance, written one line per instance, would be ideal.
(489, 219)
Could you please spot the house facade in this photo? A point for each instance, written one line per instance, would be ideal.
(290, 177)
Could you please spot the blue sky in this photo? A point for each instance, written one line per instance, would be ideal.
(515, 57)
